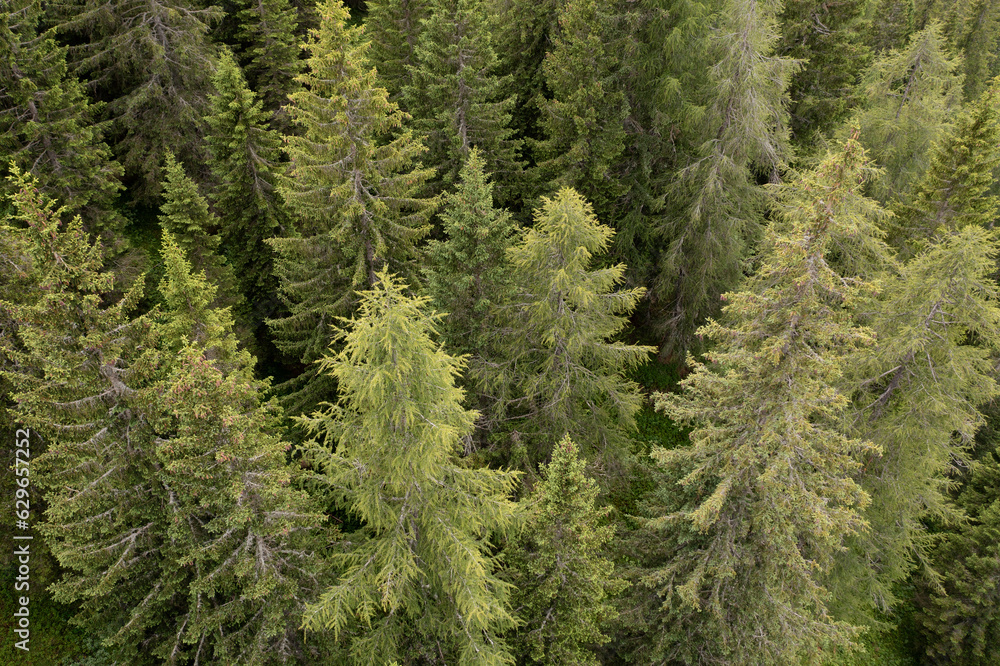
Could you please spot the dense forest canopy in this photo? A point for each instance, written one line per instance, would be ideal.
(486, 332)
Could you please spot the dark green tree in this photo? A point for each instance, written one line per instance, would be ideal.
(457, 98)
(49, 128)
(558, 370)
(959, 617)
(244, 156)
(562, 579)
(420, 570)
(891, 25)
(719, 207)
(151, 62)
(768, 496)
(395, 27)
(974, 32)
(829, 37)
(271, 55)
(352, 193)
(468, 273)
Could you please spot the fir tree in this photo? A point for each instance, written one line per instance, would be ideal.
(267, 27)
(468, 276)
(955, 191)
(959, 617)
(49, 127)
(456, 96)
(352, 192)
(186, 216)
(719, 204)
(395, 27)
(974, 32)
(244, 158)
(558, 372)
(891, 25)
(768, 495)
(584, 122)
(909, 97)
(562, 580)
(422, 558)
(829, 36)
(150, 61)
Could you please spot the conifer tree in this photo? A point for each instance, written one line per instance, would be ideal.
(78, 368)
(244, 157)
(49, 127)
(909, 98)
(719, 205)
(420, 570)
(916, 397)
(584, 121)
(558, 371)
(150, 61)
(457, 98)
(768, 496)
(468, 276)
(395, 26)
(233, 538)
(561, 579)
(185, 215)
(352, 193)
(891, 25)
(959, 618)
(829, 36)
(974, 32)
(955, 191)
(267, 27)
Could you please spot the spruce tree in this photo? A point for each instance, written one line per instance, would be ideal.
(468, 273)
(829, 38)
(234, 528)
(185, 214)
(352, 192)
(767, 490)
(916, 397)
(457, 98)
(420, 570)
(562, 580)
(151, 62)
(955, 191)
(718, 205)
(974, 32)
(49, 127)
(959, 618)
(584, 121)
(891, 25)
(558, 371)
(909, 97)
(244, 157)
(395, 26)
(267, 27)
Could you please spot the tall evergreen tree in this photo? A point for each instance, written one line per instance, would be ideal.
(768, 495)
(395, 26)
(185, 215)
(267, 27)
(244, 157)
(584, 121)
(558, 371)
(457, 98)
(561, 578)
(830, 38)
(891, 25)
(959, 619)
(352, 192)
(150, 61)
(719, 206)
(909, 98)
(468, 273)
(955, 191)
(974, 32)
(49, 127)
(420, 570)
